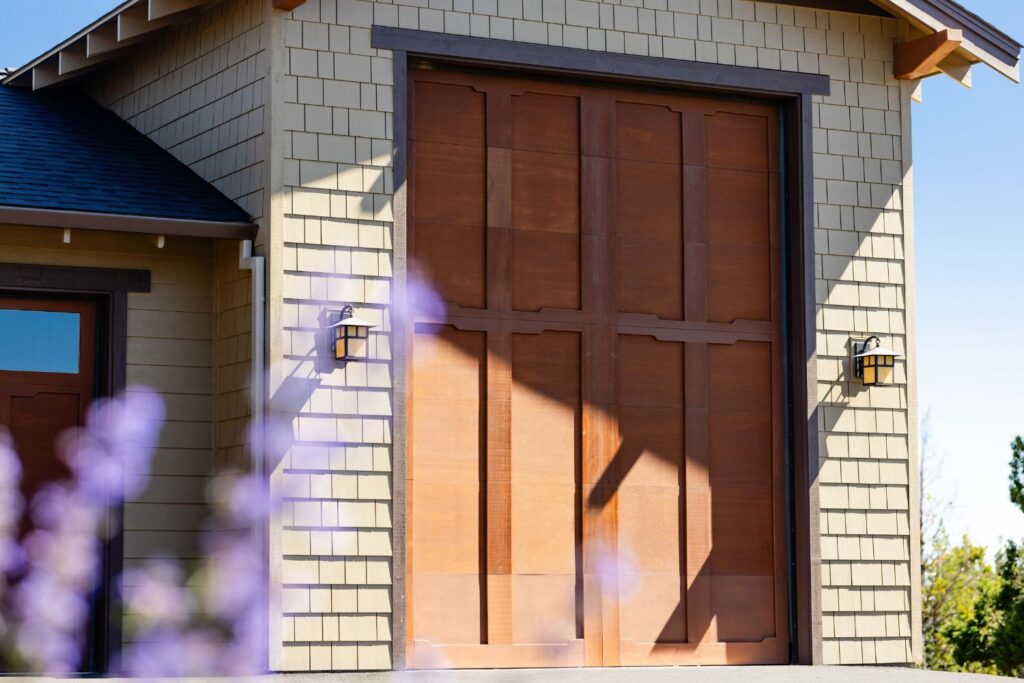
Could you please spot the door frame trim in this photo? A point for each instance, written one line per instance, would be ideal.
(111, 287)
(793, 91)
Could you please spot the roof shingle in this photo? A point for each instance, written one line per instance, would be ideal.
(59, 150)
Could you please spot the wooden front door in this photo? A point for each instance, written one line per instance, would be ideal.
(594, 469)
(47, 380)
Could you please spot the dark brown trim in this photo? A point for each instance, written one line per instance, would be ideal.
(54, 218)
(21, 276)
(603, 65)
(794, 92)
(803, 374)
(111, 287)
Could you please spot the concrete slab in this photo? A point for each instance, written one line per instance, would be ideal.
(717, 674)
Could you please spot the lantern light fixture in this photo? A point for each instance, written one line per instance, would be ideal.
(872, 362)
(351, 335)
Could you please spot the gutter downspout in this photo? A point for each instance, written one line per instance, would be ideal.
(258, 393)
(257, 388)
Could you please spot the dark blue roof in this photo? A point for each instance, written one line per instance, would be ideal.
(60, 150)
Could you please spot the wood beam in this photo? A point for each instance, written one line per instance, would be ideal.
(920, 58)
(158, 9)
(958, 68)
(134, 22)
(103, 40)
(46, 73)
(75, 57)
(288, 4)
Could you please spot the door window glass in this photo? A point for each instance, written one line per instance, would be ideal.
(39, 341)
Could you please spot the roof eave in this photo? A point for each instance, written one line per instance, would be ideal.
(150, 225)
(116, 30)
(982, 41)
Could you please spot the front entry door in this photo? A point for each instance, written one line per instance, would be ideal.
(594, 469)
(47, 380)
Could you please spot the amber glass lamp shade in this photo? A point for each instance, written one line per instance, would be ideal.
(351, 336)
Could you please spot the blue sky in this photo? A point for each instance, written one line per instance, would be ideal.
(969, 199)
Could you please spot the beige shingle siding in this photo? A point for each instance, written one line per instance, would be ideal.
(338, 123)
(171, 349)
(198, 92)
(232, 359)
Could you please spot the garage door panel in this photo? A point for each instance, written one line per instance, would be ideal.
(545, 192)
(546, 407)
(545, 270)
(447, 538)
(447, 608)
(452, 260)
(741, 530)
(650, 611)
(659, 291)
(738, 207)
(744, 608)
(451, 184)
(604, 501)
(546, 123)
(447, 112)
(447, 422)
(648, 132)
(740, 446)
(739, 284)
(650, 372)
(641, 510)
(739, 141)
(544, 608)
(544, 519)
(740, 376)
(649, 199)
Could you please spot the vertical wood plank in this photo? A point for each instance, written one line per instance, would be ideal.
(697, 482)
(695, 218)
(600, 432)
(498, 489)
(700, 627)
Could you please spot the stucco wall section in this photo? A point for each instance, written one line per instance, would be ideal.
(334, 556)
(197, 91)
(170, 349)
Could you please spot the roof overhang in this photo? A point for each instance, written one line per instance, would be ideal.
(100, 41)
(971, 40)
(968, 40)
(149, 225)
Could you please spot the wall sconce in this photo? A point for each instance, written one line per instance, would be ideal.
(872, 362)
(351, 336)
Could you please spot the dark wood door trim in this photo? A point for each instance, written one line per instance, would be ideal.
(793, 93)
(110, 288)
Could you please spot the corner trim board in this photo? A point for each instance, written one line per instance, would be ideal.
(84, 220)
(571, 60)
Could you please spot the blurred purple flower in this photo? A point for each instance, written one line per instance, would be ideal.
(119, 437)
(64, 549)
(11, 508)
(156, 592)
(173, 653)
(420, 298)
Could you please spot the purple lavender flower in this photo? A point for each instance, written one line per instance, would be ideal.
(64, 549)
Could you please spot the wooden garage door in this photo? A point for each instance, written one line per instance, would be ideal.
(595, 449)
